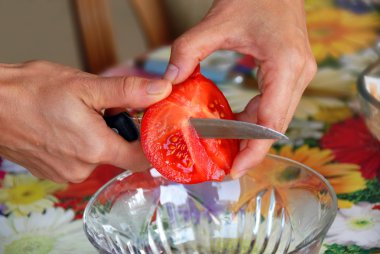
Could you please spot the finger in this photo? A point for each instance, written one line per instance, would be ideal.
(272, 111)
(191, 48)
(124, 92)
(249, 114)
(125, 155)
(252, 154)
(280, 87)
(308, 72)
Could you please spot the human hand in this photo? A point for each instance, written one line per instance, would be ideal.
(272, 31)
(51, 120)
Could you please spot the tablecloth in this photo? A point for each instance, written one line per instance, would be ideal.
(327, 133)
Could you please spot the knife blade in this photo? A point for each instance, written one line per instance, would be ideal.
(129, 127)
(231, 129)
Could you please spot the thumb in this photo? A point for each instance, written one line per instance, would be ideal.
(125, 92)
(189, 49)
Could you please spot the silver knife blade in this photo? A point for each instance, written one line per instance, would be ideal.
(231, 129)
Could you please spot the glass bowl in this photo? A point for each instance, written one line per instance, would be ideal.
(280, 206)
(369, 97)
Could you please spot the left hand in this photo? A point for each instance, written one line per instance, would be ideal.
(272, 31)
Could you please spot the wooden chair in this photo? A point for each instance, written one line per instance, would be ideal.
(96, 33)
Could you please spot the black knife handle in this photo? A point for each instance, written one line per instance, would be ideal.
(123, 125)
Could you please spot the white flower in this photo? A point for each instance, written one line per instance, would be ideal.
(309, 106)
(300, 129)
(358, 225)
(332, 81)
(238, 96)
(357, 62)
(52, 232)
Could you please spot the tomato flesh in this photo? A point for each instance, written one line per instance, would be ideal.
(174, 147)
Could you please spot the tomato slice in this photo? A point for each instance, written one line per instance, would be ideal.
(174, 147)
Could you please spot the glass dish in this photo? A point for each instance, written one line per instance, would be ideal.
(369, 97)
(145, 213)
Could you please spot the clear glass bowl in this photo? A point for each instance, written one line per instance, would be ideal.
(280, 206)
(370, 103)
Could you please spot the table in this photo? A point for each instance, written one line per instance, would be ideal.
(327, 134)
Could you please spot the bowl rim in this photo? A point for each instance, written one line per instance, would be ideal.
(363, 91)
(320, 234)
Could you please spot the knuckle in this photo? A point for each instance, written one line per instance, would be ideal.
(311, 67)
(131, 86)
(297, 56)
(184, 47)
(181, 45)
(190, 46)
(83, 84)
(37, 64)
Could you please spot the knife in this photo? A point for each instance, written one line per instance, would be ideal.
(128, 127)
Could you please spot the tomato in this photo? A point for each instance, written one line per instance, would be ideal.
(172, 144)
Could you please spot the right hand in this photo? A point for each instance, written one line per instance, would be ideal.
(274, 33)
(51, 120)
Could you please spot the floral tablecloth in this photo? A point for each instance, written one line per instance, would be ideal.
(327, 134)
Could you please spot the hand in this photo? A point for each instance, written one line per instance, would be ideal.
(51, 120)
(272, 31)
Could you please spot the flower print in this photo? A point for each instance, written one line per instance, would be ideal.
(332, 81)
(24, 193)
(51, 232)
(334, 32)
(238, 96)
(359, 225)
(2, 175)
(12, 167)
(76, 195)
(329, 110)
(358, 6)
(351, 142)
(100, 176)
(313, 5)
(355, 63)
(299, 130)
(343, 177)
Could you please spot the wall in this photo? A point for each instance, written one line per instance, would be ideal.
(45, 29)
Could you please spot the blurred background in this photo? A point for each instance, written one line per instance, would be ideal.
(50, 30)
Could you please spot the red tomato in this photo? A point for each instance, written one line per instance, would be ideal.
(173, 146)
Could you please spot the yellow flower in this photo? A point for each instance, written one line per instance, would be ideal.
(284, 180)
(333, 115)
(23, 194)
(334, 32)
(312, 5)
(343, 177)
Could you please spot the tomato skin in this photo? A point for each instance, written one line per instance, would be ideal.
(174, 147)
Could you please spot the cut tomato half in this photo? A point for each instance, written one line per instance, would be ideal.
(173, 146)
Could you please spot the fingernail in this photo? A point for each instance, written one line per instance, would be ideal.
(237, 174)
(171, 73)
(156, 87)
